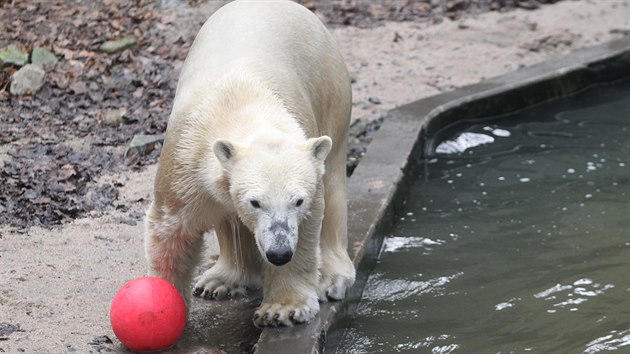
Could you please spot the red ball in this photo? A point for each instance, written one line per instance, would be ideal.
(148, 314)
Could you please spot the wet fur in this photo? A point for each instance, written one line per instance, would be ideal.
(278, 88)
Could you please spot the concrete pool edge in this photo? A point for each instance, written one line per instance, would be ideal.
(378, 183)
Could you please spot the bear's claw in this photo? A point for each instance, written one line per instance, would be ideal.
(275, 315)
(217, 290)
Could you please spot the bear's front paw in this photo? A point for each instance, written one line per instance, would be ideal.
(218, 290)
(214, 285)
(274, 314)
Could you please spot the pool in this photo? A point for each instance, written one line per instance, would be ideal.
(401, 158)
(515, 237)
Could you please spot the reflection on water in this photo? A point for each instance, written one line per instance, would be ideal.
(516, 240)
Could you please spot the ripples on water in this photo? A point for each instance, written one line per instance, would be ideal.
(516, 240)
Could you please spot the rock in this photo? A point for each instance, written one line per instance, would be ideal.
(114, 117)
(7, 328)
(78, 87)
(115, 46)
(169, 4)
(100, 340)
(358, 128)
(12, 55)
(28, 80)
(553, 42)
(456, 5)
(527, 4)
(374, 100)
(621, 31)
(142, 144)
(43, 58)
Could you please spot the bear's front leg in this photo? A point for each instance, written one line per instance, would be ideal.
(290, 290)
(237, 268)
(289, 295)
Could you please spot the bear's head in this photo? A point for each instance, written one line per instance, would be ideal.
(273, 184)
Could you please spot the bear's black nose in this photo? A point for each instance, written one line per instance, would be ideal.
(279, 256)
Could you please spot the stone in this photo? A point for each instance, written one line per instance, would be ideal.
(528, 4)
(114, 117)
(463, 25)
(143, 144)
(170, 4)
(374, 100)
(13, 56)
(358, 128)
(353, 78)
(28, 80)
(43, 58)
(115, 46)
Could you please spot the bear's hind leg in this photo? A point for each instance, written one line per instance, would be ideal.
(172, 250)
(337, 270)
(237, 268)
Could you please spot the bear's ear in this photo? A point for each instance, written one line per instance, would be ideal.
(319, 147)
(224, 151)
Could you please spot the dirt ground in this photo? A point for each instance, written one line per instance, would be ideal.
(71, 207)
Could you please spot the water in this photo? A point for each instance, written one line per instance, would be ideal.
(519, 243)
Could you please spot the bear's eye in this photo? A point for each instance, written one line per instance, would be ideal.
(299, 202)
(254, 203)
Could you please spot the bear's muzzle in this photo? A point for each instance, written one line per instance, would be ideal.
(279, 256)
(280, 251)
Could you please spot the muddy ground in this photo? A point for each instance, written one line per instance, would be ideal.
(71, 204)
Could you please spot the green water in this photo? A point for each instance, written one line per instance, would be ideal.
(518, 245)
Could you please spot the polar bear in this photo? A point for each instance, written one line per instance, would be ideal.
(256, 148)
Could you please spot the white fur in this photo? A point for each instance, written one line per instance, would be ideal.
(256, 149)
